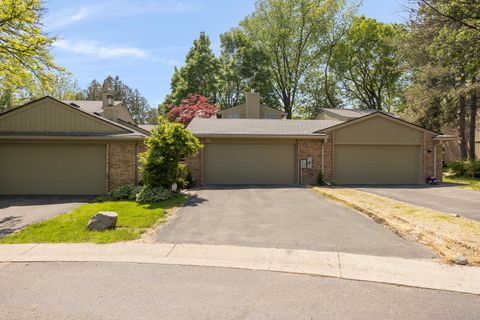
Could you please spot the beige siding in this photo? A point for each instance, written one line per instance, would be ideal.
(239, 112)
(53, 169)
(375, 164)
(378, 130)
(237, 163)
(270, 113)
(124, 114)
(48, 115)
(325, 116)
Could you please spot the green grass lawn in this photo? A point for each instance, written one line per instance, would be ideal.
(471, 183)
(133, 220)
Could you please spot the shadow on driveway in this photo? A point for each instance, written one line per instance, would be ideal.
(16, 212)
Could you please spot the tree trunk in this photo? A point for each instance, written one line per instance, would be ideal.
(462, 136)
(462, 113)
(473, 124)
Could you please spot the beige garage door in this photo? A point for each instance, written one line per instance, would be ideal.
(52, 169)
(370, 164)
(249, 164)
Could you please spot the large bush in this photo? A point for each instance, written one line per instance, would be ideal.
(465, 168)
(168, 145)
(128, 192)
(151, 195)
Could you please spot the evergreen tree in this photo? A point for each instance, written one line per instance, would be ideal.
(197, 76)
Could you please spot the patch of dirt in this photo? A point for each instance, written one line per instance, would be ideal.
(445, 234)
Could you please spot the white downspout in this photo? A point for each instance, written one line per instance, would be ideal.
(435, 161)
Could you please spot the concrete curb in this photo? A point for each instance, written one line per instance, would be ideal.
(399, 271)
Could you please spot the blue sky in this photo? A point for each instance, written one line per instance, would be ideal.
(142, 40)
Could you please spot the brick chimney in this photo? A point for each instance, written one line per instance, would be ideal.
(108, 105)
(252, 102)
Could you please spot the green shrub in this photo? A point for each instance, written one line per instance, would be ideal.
(167, 146)
(473, 169)
(320, 178)
(457, 168)
(150, 195)
(128, 192)
(465, 168)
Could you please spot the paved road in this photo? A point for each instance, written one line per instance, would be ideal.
(141, 291)
(288, 218)
(445, 197)
(17, 212)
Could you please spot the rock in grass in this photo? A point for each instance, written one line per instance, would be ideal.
(461, 260)
(102, 221)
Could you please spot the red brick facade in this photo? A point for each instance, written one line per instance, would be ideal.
(122, 164)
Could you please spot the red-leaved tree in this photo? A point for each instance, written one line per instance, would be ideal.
(195, 105)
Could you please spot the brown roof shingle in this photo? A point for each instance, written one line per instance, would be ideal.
(267, 127)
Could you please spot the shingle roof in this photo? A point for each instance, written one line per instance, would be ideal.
(350, 113)
(267, 127)
(147, 127)
(89, 105)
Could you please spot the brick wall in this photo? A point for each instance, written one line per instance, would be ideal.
(428, 158)
(329, 154)
(310, 148)
(122, 164)
(194, 165)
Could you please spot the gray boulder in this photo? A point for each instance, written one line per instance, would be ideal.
(102, 221)
(461, 260)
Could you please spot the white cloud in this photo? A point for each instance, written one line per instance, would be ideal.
(101, 51)
(96, 49)
(67, 18)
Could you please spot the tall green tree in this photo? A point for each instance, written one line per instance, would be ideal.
(444, 37)
(134, 101)
(367, 64)
(243, 66)
(93, 91)
(198, 75)
(292, 34)
(25, 48)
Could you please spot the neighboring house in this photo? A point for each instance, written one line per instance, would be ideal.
(251, 109)
(375, 148)
(57, 147)
(343, 114)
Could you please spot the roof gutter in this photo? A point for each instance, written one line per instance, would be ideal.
(79, 138)
(444, 137)
(261, 136)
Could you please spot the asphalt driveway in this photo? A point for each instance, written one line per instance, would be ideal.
(445, 197)
(289, 218)
(16, 212)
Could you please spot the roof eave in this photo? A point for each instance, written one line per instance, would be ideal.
(78, 138)
(261, 136)
(444, 137)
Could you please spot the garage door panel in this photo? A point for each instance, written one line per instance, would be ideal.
(249, 164)
(377, 164)
(52, 169)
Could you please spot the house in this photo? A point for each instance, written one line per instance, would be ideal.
(451, 148)
(251, 109)
(57, 147)
(342, 114)
(368, 148)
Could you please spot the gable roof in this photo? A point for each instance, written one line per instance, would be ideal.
(244, 106)
(348, 113)
(378, 113)
(104, 127)
(202, 127)
(89, 105)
